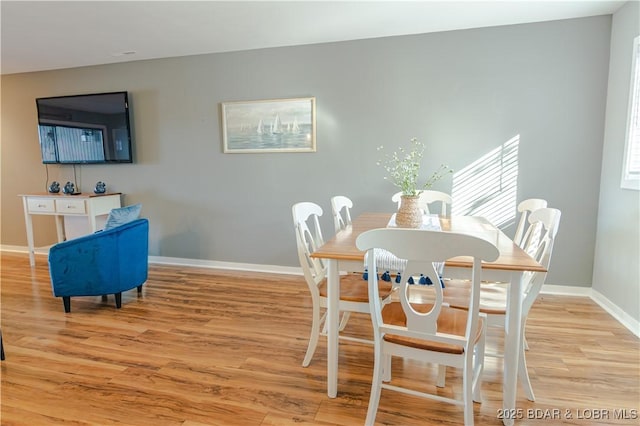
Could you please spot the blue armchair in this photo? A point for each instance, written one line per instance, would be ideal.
(106, 262)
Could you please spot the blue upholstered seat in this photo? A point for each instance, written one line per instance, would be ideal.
(106, 262)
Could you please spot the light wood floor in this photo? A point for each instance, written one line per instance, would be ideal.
(208, 347)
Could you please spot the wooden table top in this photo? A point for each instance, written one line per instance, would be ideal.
(512, 258)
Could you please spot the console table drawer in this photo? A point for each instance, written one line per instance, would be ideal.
(70, 206)
(42, 205)
(75, 215)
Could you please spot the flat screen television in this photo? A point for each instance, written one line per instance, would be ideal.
(85, 129)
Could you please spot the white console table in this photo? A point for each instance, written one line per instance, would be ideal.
(89, 206)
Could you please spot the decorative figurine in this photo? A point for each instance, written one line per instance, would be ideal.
(54, 188)
(100, 188)
(69, 188)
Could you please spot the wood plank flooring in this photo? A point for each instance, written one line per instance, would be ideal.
(214, 347)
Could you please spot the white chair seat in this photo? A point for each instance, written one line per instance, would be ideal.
(493, 296)
(450, 321)
(354, 289)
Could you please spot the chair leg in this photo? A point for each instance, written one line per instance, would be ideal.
(1, 349)
(315, 334)
(478, 368)
(140, 288)
(467, 391)
(118, 299)
(344, 320)
(104, 297)
(386, 370)
(66, 301)
(376, 385)
(442, 373)
(523, 374)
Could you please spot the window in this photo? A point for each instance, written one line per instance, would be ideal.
(631, 165)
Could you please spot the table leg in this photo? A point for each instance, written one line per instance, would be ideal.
(333, 314)
(60, 228)
(92, 222)
(512, 342)
(29, 224)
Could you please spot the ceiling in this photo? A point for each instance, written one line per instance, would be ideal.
(46, 35)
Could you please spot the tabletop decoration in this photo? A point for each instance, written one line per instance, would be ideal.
(403, 170)
(69, 188)
(54, 188)
(100, 188)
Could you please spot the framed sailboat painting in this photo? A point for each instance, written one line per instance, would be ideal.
(272, 125)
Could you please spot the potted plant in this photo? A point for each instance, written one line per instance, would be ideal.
(403, 170)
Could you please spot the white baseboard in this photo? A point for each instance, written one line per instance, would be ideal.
(23, 249)
(622, 317)
(566, 290)
(178, 261)
(269, 269)
(612, 309)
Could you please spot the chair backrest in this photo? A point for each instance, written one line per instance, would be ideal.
(308, 238)
(341, 209)
(540, 248)
(525, 208)
(422, 248)
(427, 197)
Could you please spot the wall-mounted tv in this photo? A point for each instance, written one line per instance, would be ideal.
(85, 129)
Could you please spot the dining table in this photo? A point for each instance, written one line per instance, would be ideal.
(341, 254)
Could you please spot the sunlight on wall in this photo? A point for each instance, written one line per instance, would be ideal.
(488, 186)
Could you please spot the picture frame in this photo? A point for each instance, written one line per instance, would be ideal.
(270, 125)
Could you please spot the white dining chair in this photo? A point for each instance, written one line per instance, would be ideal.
(429, 332)
(353, 293)
(493, 296)
(428, 197)
(525, 208)
(341, 210)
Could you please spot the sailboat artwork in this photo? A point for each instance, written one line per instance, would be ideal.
(278, 125)
(295, 128)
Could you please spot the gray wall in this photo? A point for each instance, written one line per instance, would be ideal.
(462, 92)
(617, 260)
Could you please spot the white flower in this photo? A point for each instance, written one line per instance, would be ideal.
(403, 169)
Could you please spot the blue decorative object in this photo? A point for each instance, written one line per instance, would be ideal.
(69, 188)
(386, 276)
(107, 262)
(100, 188)
(122, 215)
(54, 188)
